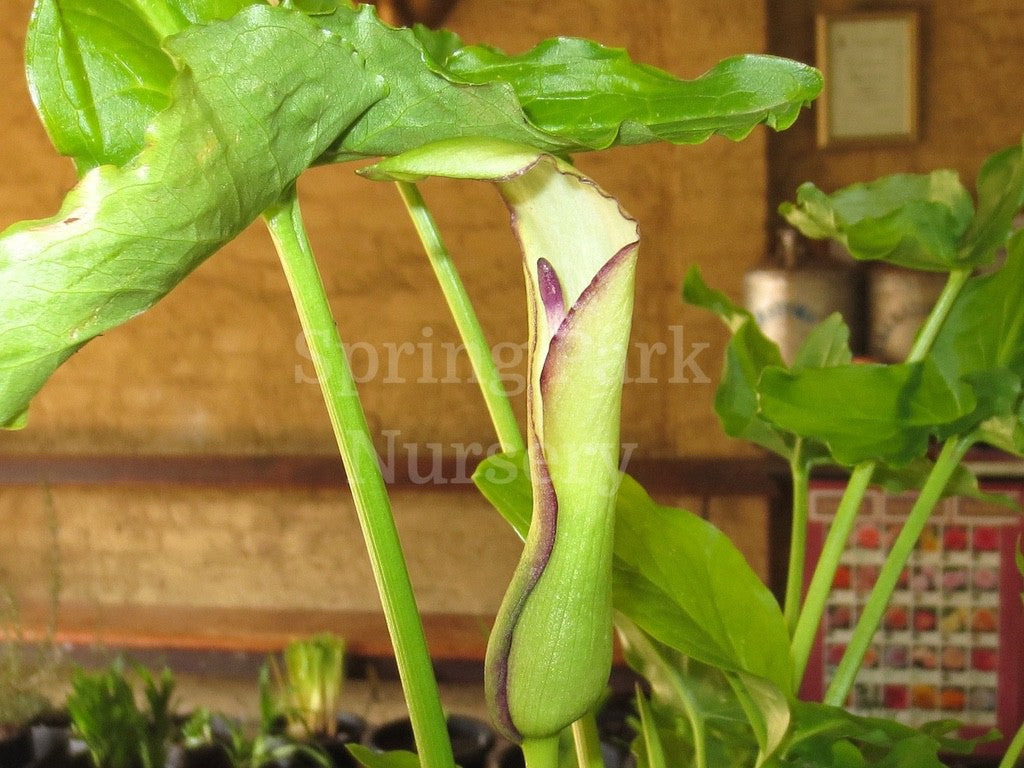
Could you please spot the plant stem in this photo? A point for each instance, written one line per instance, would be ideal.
(284, 220)
(825, 571)
(871, 615)
(800, 476)
(472, 333)
(842, 524)
(933, 323)
(541, 753)
(587, 742)
(1014, 750)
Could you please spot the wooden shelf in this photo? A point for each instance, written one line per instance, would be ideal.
(245, 630)
(181, 627)
(756, 476)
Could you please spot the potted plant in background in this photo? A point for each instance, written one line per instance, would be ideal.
(21, 703)
(308, 685)
(117, 732)
(28, 671)
(722, 658)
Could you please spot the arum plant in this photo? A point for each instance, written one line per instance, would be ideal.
(188, 119)
(550, 651)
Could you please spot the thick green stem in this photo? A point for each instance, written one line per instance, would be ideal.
(871, 615)
(541, 753)
(800, 476)
(587, 742)
(472, 333)
(365, 481)
(824, 573)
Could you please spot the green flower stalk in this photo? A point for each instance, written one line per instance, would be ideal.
(550, 650)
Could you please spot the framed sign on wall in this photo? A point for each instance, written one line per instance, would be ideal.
(870, 64)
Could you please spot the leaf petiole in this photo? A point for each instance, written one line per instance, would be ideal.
(800, 476)
(825, 571)
(871, 614)
(461, 307)
(284, 220)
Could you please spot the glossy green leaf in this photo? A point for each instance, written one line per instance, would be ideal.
(565, 95)
(982, 343)
(911, 220)
(924, 221)
(864, 412)
(1000, 199)
(98, 73)
(596, 96)
(677, 577)
(125, 236)
(685, 583)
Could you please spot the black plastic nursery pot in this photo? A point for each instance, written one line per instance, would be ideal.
(472, 739)
(16, 749)
(43, 744)
(350, 729)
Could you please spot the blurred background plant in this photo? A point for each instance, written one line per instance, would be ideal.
(29, 669)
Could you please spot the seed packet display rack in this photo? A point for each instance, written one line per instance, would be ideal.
(951, 644)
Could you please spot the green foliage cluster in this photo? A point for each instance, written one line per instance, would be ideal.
(118, 732)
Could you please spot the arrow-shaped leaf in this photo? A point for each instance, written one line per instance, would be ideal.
(126, 236)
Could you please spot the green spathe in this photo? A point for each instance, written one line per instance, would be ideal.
(550, 651)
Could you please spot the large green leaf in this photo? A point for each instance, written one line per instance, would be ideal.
(922, 221)
(914, 220)
(565, 95)
(596, 96)
(884, 413)
(97, 71)
(685, 583)
(125, 236)
(982, 343)
(675, 575)
(144, 87)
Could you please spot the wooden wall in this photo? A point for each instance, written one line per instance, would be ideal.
(972, 103)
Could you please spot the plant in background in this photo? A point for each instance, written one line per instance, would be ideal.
(21, 700)
(309, 686)
(116, 730)
(245, 747)
(28, 669)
